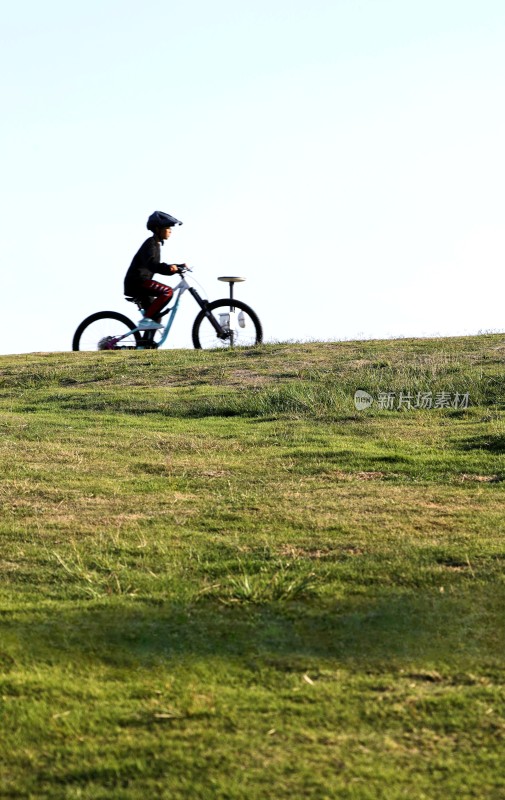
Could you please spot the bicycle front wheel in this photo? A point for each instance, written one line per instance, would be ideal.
(106, 330)
(239, 326)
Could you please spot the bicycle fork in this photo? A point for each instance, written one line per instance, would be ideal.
(204, 304)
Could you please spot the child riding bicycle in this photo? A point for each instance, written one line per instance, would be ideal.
(151, 295)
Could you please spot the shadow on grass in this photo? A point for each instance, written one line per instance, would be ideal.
(491, 443)
(428, 627)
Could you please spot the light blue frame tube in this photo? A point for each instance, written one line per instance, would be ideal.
(180, 288)
(170, 319)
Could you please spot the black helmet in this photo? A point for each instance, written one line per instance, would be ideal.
(161, 220)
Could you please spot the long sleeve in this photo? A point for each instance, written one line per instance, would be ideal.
(145, 264)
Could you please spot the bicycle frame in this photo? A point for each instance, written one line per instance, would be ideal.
(179, 290)
(181, 287)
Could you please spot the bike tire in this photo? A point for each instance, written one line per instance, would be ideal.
(204, 335)
(83, 341)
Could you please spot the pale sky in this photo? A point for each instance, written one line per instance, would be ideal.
(345, 156)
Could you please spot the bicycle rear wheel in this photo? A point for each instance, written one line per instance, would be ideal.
(240, 326)
(106, 330)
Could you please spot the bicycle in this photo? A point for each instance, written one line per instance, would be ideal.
(221, 323)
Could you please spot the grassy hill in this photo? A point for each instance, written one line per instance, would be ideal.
(218, 579)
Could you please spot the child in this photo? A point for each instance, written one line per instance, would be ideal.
(139, 282)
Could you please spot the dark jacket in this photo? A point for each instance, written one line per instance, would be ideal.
(145, 263)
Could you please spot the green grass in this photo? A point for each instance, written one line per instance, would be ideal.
(220, 580)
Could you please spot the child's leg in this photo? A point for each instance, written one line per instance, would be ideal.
(162, 295)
